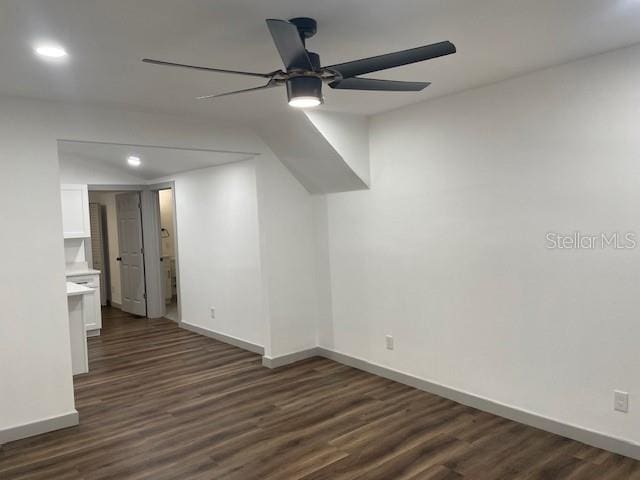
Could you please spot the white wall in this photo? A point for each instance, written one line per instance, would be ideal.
(288, 259)
(348, 135)
(308, 154)
(35, 360)
(324, 330)
(108, 199)
(447, 251)
(219, 250)
(246, 247)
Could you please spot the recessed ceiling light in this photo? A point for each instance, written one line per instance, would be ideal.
(134, 161)
(51, 51)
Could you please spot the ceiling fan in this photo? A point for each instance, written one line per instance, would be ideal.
(303, 75)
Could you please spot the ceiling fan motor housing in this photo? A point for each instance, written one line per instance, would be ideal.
(306, 26)
(304, 86)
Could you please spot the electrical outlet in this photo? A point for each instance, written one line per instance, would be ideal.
(620, 401)
(213, 312)
(389, 340)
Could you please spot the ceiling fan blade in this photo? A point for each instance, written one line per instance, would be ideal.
(395, 59)
(289, 44)
(208, 69)
(270, 84)
(357, 83)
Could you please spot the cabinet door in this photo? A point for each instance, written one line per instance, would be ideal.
(93, 313)
(75, 211)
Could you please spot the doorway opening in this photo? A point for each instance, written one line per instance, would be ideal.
(133, 245)
(139, 272)
(117, 249)
(168, 253)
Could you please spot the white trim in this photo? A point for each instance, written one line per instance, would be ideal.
(221, 337)
(153, 272)
(171, 185)
(38, 427)
(282, 360)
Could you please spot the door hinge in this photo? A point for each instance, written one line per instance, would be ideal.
(142, 250)
(144, 295)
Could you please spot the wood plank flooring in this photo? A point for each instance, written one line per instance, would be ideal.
(164, 403)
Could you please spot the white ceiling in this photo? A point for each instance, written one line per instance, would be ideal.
(496, 39)
(156, 162)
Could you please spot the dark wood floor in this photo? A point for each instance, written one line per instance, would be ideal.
(163, 403)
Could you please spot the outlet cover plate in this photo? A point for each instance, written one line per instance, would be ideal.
(389, 342)
(620, 401)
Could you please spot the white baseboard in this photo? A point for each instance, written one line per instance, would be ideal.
(18, 432)
(282, 360)
(221, 337)
(581, 434)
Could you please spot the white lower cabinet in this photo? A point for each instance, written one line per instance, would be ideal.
(93, 320)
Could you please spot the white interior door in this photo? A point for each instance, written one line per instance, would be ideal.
(131, 257)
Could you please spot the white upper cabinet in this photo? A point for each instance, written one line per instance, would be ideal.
(75, 211)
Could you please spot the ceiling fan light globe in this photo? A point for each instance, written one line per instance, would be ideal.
(304, 102)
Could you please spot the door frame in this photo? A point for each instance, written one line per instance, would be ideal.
(151, 242)
(154, 189)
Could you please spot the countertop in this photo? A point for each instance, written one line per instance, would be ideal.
(79, 272)
(75, 289)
